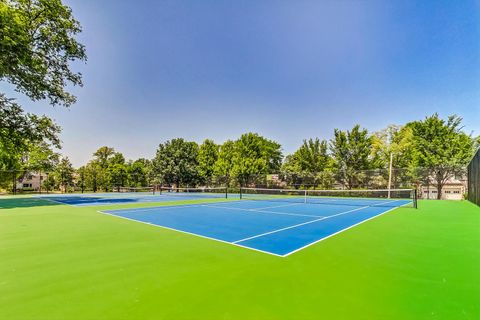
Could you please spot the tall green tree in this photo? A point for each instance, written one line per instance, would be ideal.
(82, 176)
(138, 172)
(176, 162)
(117, 158)
(291, 171)
(20, 132)
(207, 157)
(352, 154)
(103, 158)
(37, 46)
(92, 170)
(26, 141)
(40, 158)
(441, 147)
(223, 167)
(394, 143)
(117, 175)
(309, 161)
(255, 155)
(64, 174)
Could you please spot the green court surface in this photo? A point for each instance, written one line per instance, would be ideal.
(62, 262)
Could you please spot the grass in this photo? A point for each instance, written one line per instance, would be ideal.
(62, 262)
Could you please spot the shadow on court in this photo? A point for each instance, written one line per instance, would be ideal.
(12, 203)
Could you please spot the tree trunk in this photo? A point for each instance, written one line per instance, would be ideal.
(439, 190)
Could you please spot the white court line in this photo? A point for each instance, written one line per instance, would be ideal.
(263, 211)
(190, 233)
(281, 206)
(168, 206)
(65, 204)
(305, 223)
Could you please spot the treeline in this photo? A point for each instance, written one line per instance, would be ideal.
(36, 56)
(428, 151)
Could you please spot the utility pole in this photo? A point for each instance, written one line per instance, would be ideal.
(390, 175)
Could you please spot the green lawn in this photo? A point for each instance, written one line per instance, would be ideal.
(62, 262)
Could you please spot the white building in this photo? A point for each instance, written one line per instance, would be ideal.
(454, 189)
(32, 181)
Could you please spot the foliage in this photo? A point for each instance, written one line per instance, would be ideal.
(352, 152)
(138, 172)
(224, 165)
(309, 162)
(25, 137)
(207, 157)
(254, 155)
(441, 147)
(117, 175)
(176, 162)
(81, 181)
(40, 158)
(37, 45)
(63, 174)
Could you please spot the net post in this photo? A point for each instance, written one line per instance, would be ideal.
(226, 192)
(240, 192)
(305, 197)
(415, 198)
(14, 182)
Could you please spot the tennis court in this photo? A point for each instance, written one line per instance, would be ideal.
(270, 223)
(118, 198)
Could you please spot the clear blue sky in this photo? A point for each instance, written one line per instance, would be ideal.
(288, 70)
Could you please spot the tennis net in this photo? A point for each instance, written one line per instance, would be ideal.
(219, 192)
(382, 198)
(136, 190)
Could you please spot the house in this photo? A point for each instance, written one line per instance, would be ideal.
(31, 181)
(454, 189)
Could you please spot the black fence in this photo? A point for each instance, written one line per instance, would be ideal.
(474, 179)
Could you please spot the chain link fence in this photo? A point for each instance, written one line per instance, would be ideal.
(24, 181)
(474, 179)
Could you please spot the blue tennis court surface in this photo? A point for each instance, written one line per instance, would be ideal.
(99, 199)
(278, 228)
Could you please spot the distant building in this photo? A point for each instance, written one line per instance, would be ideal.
(454, 189)
(31, 181)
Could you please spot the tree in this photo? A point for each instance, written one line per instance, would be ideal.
(92, 170)
(117, 158)
(103, 157)
(255, 155)
(352, 153)
(223, 167)
(117, 175)
(82, 172)
(309, 161)
(207, 157)
(64, 174)
(37, 45)
(20, 131)
(291, 171)
(441, 147)
(138, 172)
(24, 139)
(394, 140)
(41, 158)
(394, 143)
(176, 162)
